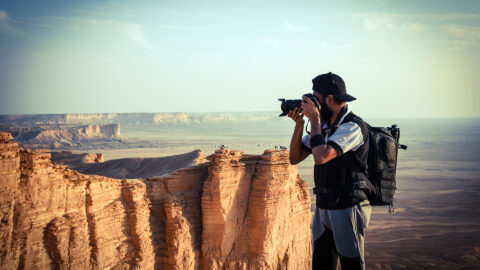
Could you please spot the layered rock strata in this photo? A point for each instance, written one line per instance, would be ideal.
(65, 136)
(176, 218)
(139, 119)
(256, 213)
(234, 212)
(9, 182)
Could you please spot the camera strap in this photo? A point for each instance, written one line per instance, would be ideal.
(306, 127)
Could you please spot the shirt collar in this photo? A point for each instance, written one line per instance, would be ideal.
(341, 115)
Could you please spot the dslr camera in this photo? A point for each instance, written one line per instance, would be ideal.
(290, 104)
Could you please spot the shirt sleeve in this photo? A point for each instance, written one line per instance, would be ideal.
(347, 137)
(306, 143)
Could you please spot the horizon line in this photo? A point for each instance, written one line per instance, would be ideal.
(273, 112)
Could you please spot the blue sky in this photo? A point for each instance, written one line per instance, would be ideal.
(398, 58)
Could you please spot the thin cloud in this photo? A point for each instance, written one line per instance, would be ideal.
(237, 38)
(457, 29)
(377, 23)
(211, 15)
(414, 27)
(270, 41)
(5, 21)
(132, 31)
(3, 15)
(465, 32)
(290, 27)
(136, 33)
(183, 13)
(300, 43)
(190, 28)
(410, 23)
(450, 17)
(453, 23)
(426, 17)
(383, 23)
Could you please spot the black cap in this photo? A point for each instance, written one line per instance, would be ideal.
(331, 84)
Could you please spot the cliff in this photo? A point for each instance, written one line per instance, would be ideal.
(234, 212)
(140, 119)
(255, 213)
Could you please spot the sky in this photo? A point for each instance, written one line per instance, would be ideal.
(400, 59)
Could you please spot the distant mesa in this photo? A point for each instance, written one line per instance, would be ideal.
(102, 130)
(63, 136)
(139, 119)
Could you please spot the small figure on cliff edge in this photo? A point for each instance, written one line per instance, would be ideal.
(338, 142)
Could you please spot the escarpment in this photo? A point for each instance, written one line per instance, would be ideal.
(137, 119)
(234, 212)
(255, 213)
(57, 136)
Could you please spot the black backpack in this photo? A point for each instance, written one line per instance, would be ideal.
(382, 164)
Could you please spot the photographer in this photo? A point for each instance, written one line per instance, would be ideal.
(339, 145)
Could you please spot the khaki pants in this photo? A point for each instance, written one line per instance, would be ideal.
(347, 228)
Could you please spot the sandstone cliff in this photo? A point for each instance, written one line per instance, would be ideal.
(233, 212)
(255, 213)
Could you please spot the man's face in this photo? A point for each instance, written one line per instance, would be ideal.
(325, 111)
(318, 97)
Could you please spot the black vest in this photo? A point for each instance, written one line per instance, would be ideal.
(341, 182)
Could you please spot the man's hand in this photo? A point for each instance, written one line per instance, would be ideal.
(296, 116)
(296, 153)
(310, 110)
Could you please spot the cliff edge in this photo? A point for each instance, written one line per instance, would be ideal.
(234, 212)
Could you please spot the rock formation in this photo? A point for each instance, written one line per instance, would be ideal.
(233, 212)
(127, 167)
(164, 119)
(62, 136)
(255, 213)
(72, 159)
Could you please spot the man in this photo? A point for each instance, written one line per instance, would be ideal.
(338, 142)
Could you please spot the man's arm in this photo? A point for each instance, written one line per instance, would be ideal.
(297, 153)
(321, 153)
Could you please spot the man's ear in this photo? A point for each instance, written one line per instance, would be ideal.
(328, 99)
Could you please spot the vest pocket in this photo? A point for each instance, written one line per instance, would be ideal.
(362, 187)
(390, 151)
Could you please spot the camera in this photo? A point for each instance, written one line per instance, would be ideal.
(290, 104)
